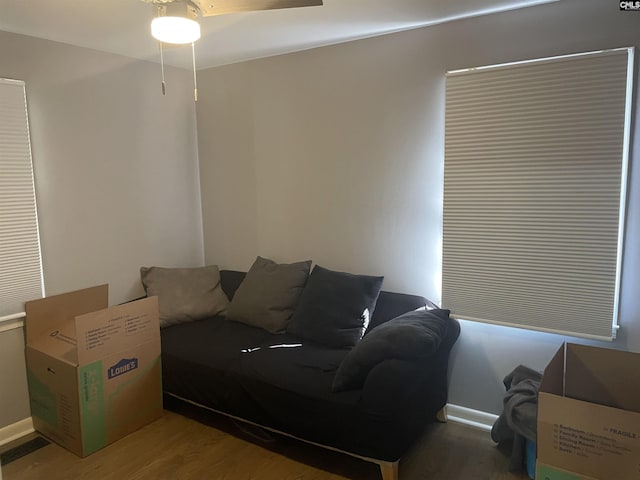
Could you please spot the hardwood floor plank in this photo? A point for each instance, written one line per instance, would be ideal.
(176, 447)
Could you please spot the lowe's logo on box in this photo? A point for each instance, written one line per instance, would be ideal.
(630, 5)
(123, 366)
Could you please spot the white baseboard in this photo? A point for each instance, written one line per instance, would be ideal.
(16, 430)
(471, 417)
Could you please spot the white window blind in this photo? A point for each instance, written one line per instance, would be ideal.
(20, 265)
(534, 192)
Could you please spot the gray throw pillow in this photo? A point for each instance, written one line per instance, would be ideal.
(414, 335)
(185, 294)
(269, 294)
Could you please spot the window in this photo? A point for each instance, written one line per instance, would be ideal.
(20, 265)
(534, 192)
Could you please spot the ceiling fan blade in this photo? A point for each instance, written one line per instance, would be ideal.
(220, 7)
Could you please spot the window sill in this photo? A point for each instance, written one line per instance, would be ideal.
(11, 322)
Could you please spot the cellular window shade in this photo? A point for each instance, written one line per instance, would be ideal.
(534, 187)
(20, 265)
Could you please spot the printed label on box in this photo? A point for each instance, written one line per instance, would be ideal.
(125, 365)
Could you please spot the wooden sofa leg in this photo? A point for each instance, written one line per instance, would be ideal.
(389, 470)
(442, 415)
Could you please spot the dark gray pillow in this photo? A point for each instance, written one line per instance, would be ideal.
(414, 335)
(269, 293)
(185, 294)
(335, 307)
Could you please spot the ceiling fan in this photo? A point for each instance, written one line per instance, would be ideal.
(209, 8)
(176, 21)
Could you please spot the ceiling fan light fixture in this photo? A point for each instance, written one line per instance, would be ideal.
(176, 23)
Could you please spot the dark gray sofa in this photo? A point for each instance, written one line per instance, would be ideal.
(284, 384)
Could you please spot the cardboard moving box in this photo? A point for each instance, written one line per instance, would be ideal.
(589, 415)
(94, 372)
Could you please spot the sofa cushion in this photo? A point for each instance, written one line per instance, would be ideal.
(413, 335)
(200, 361)
(335, 307)
(185, 294)
(291, 380)
(215, 342)
(269, 293)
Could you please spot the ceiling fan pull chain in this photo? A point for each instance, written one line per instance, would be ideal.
(164, 85)
(195, 79)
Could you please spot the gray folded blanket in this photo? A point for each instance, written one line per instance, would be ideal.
(518, 420)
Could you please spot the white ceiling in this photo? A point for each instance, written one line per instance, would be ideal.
(123, 26)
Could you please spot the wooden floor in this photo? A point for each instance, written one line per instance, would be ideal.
(177, 447)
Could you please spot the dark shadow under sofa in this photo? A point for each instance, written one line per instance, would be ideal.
(284, 384)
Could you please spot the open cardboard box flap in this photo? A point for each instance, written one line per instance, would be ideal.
(50, 322)
(53, 313)
(78, 327)
(115, 329)
(603, 376)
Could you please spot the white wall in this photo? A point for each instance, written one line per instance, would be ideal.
(116, 176)
(336, 155)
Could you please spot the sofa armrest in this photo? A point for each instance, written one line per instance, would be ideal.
(394, 407)
(395, 384)
(391, 383)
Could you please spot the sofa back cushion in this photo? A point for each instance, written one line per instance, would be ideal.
(392, 304)
(335, 307)
(230, 281)
(389, 304)
(269, 294)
